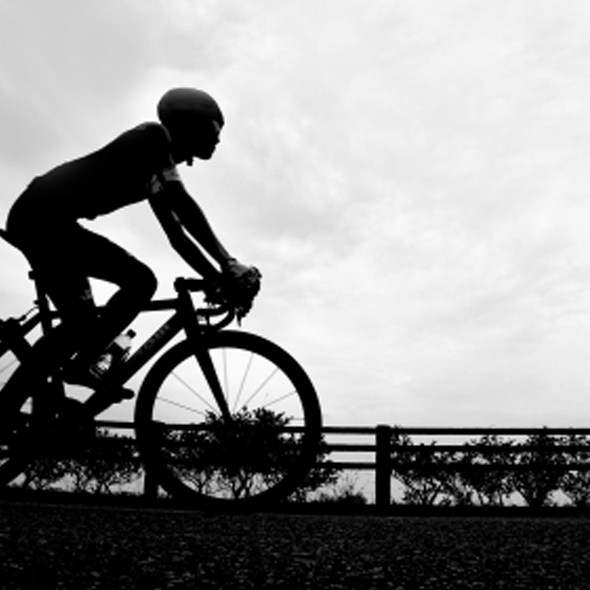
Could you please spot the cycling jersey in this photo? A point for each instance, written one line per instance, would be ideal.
(44, 223)
(131, 168)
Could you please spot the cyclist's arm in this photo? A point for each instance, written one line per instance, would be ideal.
(178, 215)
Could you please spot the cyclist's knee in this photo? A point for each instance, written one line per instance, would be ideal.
(144, 282)
(80, 318)
(79, 325)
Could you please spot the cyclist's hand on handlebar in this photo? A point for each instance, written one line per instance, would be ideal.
(242, 284)
(234, 270)
(239, 286)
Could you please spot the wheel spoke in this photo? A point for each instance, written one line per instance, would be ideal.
(280, 399)
(176, 404)
(243, 381)
(191, 390)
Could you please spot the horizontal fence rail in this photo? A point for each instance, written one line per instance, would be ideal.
(386, 453)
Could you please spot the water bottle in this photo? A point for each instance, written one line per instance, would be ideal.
(120, 348)
(114, 355)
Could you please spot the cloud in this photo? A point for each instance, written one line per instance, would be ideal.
(411, 177)
(425, 199)
(62, 63)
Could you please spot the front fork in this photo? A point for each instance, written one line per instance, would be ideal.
(206, 365)
(196, 334)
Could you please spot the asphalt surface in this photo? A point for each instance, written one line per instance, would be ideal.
(84, 548)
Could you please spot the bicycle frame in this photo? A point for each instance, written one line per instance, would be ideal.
(12, 335)
(195, 322)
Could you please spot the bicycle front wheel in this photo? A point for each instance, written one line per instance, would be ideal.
(260, 449)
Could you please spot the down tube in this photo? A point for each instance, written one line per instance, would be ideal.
(167, 331)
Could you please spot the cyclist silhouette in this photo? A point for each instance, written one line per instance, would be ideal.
(139, 165)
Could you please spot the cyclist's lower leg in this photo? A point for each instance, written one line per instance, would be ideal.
(137, 285)
(119, 312)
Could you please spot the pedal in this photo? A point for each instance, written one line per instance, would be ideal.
(117, 394)
(102, 399)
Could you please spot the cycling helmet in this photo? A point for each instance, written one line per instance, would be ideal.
(181, 106)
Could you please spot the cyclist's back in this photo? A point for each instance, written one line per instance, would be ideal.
(119, 174)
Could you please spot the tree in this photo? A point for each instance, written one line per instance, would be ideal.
(322, 474)
(485, 473)
(421, 469)
(342, 491)
(42, 472)
(539, 469)
(238, 462)
(456, 489)
(575, 483)
(109, 461)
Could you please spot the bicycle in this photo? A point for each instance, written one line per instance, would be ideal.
(223, 417)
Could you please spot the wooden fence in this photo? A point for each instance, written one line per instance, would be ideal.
(381, 449)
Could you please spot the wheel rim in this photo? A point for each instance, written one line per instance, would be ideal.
(274, 432)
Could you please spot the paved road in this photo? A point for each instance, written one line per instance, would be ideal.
(61, 547)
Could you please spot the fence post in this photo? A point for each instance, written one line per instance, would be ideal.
(150, 485)
(383, 466)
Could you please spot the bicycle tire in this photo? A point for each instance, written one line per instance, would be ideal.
(11, 400)
(176, 460)
(33, 411)
(16, 430)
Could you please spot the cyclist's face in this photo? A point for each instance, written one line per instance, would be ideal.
(206, 138)
(198, 140)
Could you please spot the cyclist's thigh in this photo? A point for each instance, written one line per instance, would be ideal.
(59, 269)
(110, 262)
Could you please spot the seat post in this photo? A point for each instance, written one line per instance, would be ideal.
(44, 406)
(42, 303)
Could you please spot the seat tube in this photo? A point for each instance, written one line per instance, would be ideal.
(42, 302)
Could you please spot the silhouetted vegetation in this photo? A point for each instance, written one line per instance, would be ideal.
(100, 465)
(342, 491)
(254, 454)
(575, 483)
(538, 470)
(491, 470)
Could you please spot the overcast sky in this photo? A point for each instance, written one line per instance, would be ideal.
(411, 176)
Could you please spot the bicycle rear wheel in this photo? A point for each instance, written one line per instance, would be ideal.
(26, 427)
(261, 455)
(39, 426)
(12, 399)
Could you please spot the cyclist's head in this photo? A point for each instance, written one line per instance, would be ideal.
(193, 120)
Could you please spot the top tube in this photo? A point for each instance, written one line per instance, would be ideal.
(184, 286)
